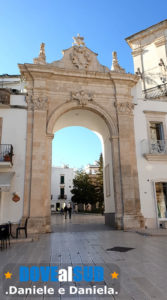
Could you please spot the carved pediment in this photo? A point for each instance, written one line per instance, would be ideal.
(79, 57)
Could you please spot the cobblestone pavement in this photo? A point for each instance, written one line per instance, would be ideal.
(84, 240)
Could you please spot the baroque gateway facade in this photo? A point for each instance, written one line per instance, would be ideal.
(77, 90)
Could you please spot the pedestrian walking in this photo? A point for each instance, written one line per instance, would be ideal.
(70, 211)
(65, 211)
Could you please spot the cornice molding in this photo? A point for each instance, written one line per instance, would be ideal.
(156, 157)
(160, 41)
(50, 71)
(151, 112)
(137, 51)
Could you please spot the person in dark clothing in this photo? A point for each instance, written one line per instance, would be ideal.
(70, 211)
(65, 211)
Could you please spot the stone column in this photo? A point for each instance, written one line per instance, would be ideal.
(117, 183)
(37, 183)
(130, 189)
(28, 164)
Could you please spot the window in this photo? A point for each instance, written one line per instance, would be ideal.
(156, 143)
(156, 131)
(161, 195)
(62, 192)
(61, 179)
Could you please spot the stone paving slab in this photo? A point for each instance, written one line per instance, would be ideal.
(77, 241)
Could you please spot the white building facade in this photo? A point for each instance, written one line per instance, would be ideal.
(13, 127)
(61, 186)
(149, 50)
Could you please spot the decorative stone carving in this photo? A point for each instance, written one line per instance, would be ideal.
(78, 40)
(125, 107)
(39, 103)
(80, 57)
(82, 97)
(41, 59)
(115, 65)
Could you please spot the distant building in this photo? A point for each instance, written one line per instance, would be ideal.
(61, 186)
(92, 169)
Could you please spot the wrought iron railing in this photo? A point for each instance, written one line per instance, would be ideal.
(62, 197)
(6, 153)
(154, 147)
(156, 92)
(158, 146)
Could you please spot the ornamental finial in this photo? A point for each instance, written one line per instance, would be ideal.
(41, 59)
(78, 40)
(115, 65)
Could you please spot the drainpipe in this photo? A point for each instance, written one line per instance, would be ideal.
(32, 131)
(119, 154)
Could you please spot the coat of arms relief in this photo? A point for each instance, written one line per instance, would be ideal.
(80, 55)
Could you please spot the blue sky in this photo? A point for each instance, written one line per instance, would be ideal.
(81, 146)
(24, 24)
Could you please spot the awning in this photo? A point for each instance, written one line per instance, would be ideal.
(5, 180)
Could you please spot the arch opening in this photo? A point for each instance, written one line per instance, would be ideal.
(94, 122)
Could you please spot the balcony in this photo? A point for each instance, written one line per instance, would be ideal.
(154, 150)
(62, 197)
(6, 155)
(156, 92)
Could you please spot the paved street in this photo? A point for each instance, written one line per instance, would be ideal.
(84, 240)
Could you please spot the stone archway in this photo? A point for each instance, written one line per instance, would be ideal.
(78, 81)
(98, 121)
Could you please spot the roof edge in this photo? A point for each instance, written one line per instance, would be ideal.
(153, 27)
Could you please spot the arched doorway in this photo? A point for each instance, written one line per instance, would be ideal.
(57, 94)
